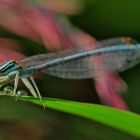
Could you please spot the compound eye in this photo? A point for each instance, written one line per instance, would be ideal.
(21, 93)
(8, 90)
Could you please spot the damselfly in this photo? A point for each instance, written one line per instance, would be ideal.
(117, 55)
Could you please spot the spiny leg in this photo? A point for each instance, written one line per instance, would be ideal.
(33, 91)
(28, 84)
(35, 86)
(6, 79)
(16, 83)
(37, 90)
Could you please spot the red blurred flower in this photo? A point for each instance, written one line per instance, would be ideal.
(107, 83)
(57, 33)
(6, 54)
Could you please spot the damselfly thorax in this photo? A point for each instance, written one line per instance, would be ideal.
(12, 71)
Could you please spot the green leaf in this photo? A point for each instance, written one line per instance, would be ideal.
(125, 121)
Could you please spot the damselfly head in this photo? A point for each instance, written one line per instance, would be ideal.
(9, 67)
(22, 93)
(9, 91)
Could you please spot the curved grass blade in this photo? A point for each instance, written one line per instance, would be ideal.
(127, 122)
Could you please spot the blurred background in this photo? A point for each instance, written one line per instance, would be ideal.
(31, 27)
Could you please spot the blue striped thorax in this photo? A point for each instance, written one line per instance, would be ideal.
(8, 71)
(27, 72)
(9, 67)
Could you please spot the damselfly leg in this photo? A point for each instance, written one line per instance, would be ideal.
(11, 71)
(32, 87)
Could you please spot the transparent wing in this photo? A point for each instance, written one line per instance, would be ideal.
(86, 67)
(41, 58)
(89, 67)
